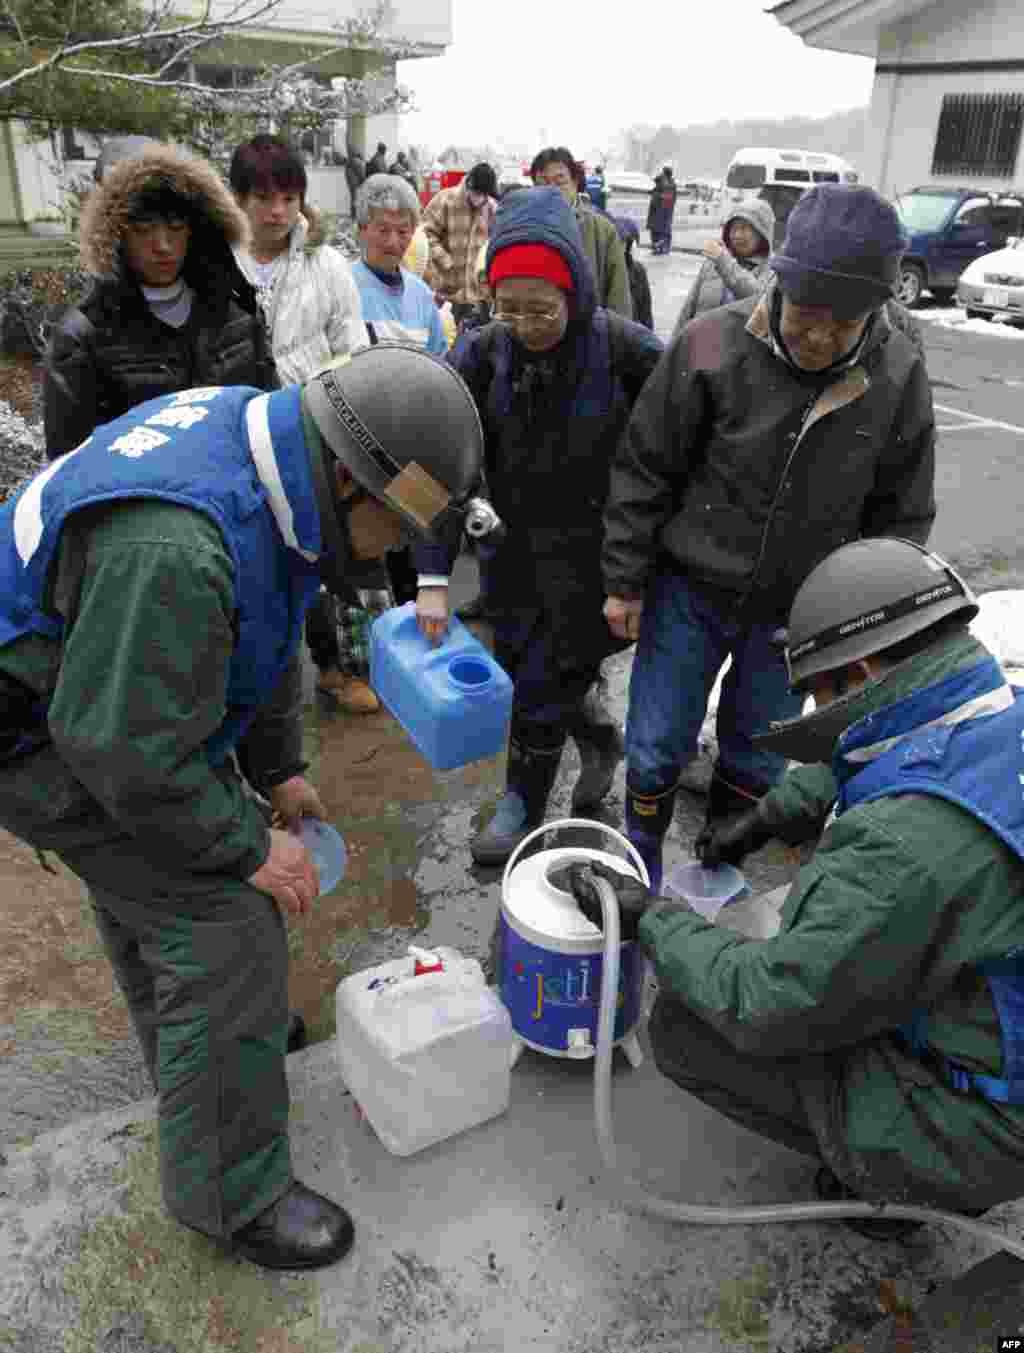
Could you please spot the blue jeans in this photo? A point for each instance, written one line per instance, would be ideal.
(684, 639)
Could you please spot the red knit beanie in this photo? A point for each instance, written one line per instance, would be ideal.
(531, 260)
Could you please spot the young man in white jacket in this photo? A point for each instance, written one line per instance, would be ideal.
(313, 314)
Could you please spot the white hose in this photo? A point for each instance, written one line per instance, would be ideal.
(640, 1200)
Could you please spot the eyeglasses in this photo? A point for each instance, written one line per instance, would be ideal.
(535, 319)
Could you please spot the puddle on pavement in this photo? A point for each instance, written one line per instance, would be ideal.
(406, 828)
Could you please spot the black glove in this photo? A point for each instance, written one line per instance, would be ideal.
(730, 839)
(579, 879)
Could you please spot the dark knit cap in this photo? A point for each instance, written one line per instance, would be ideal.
(482, 179)
(842, 249)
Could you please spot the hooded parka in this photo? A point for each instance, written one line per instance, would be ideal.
(112, 352)
(551, 424)
(904, 897)
(728, 278)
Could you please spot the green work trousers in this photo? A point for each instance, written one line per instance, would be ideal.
(208, 996)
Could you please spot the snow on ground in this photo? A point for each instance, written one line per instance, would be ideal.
(953, 317)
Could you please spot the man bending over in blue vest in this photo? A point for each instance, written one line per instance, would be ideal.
(153, 585)
(881, 1030)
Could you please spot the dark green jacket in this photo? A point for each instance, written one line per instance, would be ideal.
(902, 897)
(145, 590)
(607, 257)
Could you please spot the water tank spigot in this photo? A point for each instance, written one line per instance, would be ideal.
(578, 1043)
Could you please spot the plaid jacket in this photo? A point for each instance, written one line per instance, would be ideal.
(455, 232)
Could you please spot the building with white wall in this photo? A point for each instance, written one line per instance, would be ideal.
(948, 99)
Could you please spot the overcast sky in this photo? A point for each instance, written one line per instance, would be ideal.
(579, 71)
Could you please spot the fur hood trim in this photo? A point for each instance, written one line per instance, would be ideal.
(104, 215)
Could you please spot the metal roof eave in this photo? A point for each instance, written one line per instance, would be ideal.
(852, 26)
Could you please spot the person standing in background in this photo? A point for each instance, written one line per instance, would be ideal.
(735, 266)
(639, 285)
(661, 211)
(168, 309)
(355, 173)
(378, 162)
(313, 315)
(457, 222)
(555, 167)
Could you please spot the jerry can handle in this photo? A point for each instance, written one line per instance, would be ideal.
(617, 836)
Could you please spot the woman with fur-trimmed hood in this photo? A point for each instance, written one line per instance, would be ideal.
(168, 310)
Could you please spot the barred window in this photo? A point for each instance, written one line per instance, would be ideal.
(979, 134)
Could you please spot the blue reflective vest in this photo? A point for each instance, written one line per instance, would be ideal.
(977, 764)
(233, 453)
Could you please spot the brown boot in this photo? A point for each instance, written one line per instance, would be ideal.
(352, 693)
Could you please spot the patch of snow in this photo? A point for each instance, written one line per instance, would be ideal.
(955, 318)
(999, 625)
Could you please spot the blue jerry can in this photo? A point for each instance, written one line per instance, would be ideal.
(454, 701)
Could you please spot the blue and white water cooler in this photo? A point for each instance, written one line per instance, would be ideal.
(551, 956)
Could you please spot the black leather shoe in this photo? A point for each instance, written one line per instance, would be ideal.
(296, 1031)
(302, 1230)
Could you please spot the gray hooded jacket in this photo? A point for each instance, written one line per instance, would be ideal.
(726, 278)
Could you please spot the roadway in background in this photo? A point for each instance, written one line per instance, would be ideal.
(978, 389)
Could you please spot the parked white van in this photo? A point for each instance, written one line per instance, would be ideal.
(780, 177)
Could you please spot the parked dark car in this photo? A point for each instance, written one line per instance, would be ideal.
(949, 228)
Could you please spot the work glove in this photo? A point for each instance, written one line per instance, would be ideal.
(730, 839)
(633, 896)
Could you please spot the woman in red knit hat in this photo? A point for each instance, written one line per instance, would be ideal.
(554, 378)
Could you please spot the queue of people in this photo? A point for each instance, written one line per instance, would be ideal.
(761, 489)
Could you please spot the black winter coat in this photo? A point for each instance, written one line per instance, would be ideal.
(551, 424)
(112, 353)
(743, 475)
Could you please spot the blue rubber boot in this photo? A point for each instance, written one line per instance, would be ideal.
(648, 817)
(530, 775)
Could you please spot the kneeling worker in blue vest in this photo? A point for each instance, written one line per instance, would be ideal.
(881, 1029)
(153, 588)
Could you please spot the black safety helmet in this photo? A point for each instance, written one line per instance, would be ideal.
(405, 426)
(864, 598)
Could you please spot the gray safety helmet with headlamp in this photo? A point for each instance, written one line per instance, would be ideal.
(405, 426)
(862, 599)
(865, 597)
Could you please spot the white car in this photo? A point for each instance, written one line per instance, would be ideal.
(994, 284)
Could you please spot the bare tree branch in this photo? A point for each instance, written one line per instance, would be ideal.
(248, 12)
